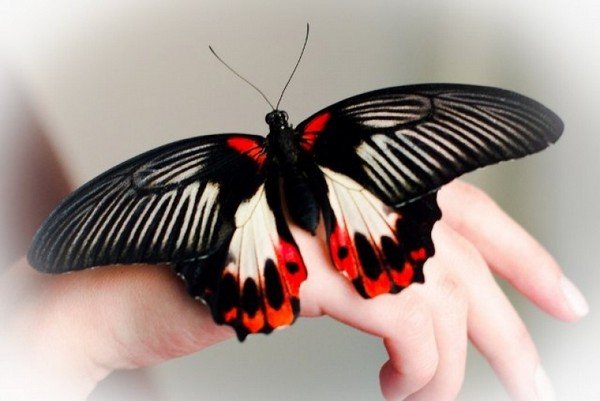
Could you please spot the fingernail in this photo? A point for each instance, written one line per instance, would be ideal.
(543, 385)
(574, 297)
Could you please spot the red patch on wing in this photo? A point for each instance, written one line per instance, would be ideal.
(318, 123)
(291, 266)
(312, 130)
(403, 278)
(345, 259)
(419, 254)
(391, 279)
(284, 316)
(343, 252)
(291, 274)
(253, 323)
(230, 315)
(249, 147)
(381, 285)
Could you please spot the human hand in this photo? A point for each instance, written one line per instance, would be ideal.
(425, 327)
(120, 317)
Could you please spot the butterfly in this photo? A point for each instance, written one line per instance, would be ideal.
(214, 207)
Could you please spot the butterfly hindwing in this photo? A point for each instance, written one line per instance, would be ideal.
(379, 248)
(260, 283)
(258, 287)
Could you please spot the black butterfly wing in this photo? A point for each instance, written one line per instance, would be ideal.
(404, 142)
(188, 204)
(171, 203)
(400, 145)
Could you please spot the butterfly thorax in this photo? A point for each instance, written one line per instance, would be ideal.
(281, 142)
(285, 154)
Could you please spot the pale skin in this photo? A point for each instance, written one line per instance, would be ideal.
(97, 321)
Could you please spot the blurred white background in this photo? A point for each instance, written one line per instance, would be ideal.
(110, 79)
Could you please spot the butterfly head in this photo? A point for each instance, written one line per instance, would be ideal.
(277, 120)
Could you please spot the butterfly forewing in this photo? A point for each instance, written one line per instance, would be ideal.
(169, 204)
(401, 143)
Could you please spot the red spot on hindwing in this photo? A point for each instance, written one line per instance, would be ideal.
(249, 147)
(381, 285)
(419, 255)
(284, 316)
(254, 323)
(403, 278)
(312, 130)
(230, 315)
(345, 258)
(343, 252)
(291, 266)
(291, 274)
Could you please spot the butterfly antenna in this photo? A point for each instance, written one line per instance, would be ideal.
(241, 77)
(295, 67)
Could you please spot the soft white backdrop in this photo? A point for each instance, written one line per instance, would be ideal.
(110, 79)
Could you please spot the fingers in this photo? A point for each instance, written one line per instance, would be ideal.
(423, 328)
(412, 348)
(406, 325)
(510, 251)
(404, 322)
(448, 301)
(494, 326)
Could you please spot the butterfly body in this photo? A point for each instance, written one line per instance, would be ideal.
(214, 207)
(285, 157)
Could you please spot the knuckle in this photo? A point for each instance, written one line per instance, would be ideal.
(471, 256)
(424, 372)
(521, 337)
(413, 314)
(452, 290)
(468, 201)
(516, 345)
(472, 193)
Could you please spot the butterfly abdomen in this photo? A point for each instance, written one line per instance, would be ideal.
(300, 201)
(292, 166)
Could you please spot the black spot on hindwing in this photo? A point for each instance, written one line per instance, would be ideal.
(292, 267)
(368, 257)
(227, 296)
(393, 253)
(250, 297)
(274, 289)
